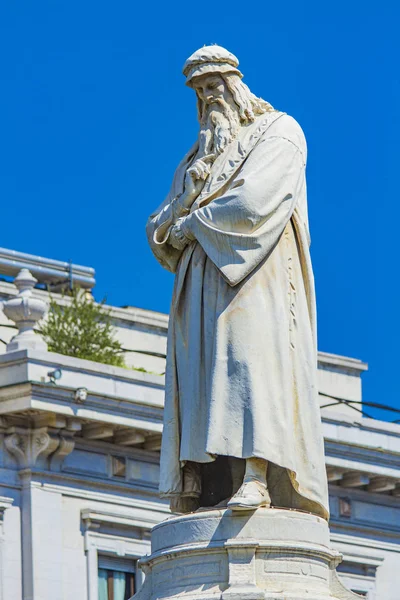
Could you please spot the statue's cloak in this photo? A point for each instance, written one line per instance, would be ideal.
(241, 374)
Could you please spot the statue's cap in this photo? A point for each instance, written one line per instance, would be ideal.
(210, 59)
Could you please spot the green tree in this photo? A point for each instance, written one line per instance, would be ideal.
(82, 329)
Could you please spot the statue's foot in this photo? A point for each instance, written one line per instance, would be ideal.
(252, 495)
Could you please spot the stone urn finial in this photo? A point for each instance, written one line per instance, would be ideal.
(25, 311)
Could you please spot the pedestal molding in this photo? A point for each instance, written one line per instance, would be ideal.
(221, 555)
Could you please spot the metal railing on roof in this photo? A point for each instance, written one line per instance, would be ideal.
(46, 270)
(359, 406)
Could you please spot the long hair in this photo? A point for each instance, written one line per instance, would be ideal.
(248, 104)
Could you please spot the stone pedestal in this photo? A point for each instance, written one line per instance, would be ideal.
(269, 554)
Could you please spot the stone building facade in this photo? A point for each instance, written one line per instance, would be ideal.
(79, 465)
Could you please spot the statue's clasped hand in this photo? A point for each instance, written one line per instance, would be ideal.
(177, 237)
(201, 167)
(195, 179)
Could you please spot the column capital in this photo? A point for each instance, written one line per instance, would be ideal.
(32, 446)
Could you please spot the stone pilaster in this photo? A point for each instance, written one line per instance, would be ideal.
(5, 503)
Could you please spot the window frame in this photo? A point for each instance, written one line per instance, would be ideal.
(110, 569)
(99, 544)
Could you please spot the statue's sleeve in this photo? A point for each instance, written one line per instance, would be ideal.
(161, 220)
(241, 227)
(158, 229)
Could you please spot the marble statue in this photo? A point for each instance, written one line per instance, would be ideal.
(242, 424)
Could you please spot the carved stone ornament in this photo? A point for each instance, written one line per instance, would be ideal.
(33, 446)
(27, 446)
(25, 310)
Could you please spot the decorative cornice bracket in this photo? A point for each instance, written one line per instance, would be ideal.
(33, 446)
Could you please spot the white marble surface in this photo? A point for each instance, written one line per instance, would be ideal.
(242, 359)
(270, 554)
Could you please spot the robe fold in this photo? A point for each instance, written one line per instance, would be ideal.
(242, 359)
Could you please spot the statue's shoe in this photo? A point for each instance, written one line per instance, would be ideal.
(251, 495)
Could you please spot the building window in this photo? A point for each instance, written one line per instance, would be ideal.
(116, 579)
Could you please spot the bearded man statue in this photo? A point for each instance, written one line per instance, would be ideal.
(242, 424)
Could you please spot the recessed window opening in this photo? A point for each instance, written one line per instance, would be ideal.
(116, 578)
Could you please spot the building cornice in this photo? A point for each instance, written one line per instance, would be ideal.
(355, 365)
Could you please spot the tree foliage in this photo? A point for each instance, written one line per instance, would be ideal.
(82, 329)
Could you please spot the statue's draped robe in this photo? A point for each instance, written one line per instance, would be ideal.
(242, 360)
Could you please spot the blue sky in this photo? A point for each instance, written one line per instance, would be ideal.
(95, 117)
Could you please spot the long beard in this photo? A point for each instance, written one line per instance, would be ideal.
(219, 127)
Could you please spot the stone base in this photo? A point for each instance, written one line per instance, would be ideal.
(28, 340)
(269, 554)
